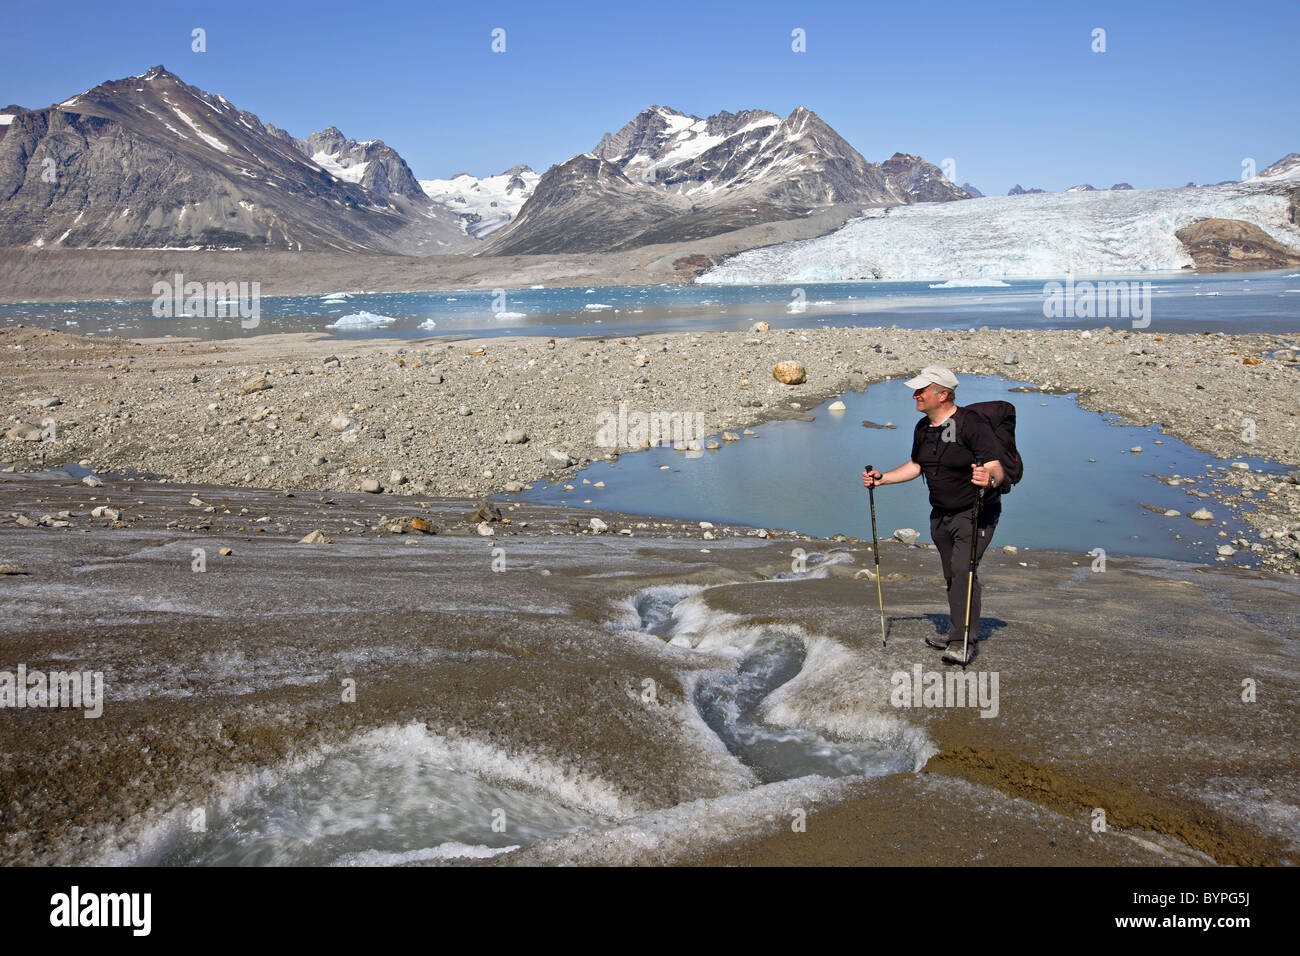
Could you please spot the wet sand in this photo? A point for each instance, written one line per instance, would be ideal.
(1120, 690)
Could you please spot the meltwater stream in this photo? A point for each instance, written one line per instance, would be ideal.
(401, 794)
(732, 704)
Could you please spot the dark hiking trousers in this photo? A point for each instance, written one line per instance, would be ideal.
(951, 535)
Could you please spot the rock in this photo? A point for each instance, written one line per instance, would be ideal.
(641, 361)
(227, 552)
(1227, 550)
(760, 327)
(598, 526)
(316, 537)
(1010, 549)
(92, 481)
(11, 569)
(1202, 514)
(103, 511)
(49, 521)
(50, 402)
(1010, 358)
(515, 436)
(1136, 450)
(790, 372)
(341, 423)
(23, 431)
(836, 406)
(514, 486)
(706, 525)
(24, 522)
(371, 486)
(1234, 244)
(485, 529)
(261, 385)
(485, 512)
(559, 455)
(908, 536)
(423, 526)
(749, 433)
(196, 501)
(397, 478)
(730, 436)
(712, 444)
(1241, 466)
(709, 536)
(1171, 513)
(464, 411)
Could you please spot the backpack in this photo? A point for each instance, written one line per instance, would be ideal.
(1001, 417)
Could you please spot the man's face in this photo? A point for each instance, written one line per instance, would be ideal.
(929, 397)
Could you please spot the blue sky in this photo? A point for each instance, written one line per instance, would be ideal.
(1011, 92)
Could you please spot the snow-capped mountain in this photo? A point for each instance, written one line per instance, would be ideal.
(1288, 167)
(371, 164)
(149, 161)
(667, 176)
(1250, 224)
(483, 205)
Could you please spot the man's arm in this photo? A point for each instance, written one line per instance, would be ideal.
(905, 472)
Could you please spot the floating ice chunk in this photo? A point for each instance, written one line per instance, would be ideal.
(362, 320)
(971, 284)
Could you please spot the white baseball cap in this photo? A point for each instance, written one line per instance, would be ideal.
(933, 374)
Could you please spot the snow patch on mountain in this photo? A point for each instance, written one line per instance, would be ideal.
(207, 138)
(342, 170)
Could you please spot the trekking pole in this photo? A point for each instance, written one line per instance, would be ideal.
(875, 549)
(970, 580)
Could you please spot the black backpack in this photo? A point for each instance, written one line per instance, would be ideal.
(1001, 417)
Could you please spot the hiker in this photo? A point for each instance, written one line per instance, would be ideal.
(947, 447)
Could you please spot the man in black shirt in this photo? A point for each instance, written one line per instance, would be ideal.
(949, 451)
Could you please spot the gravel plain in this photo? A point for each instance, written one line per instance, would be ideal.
(471, 418)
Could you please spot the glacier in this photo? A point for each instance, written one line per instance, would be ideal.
(1029, 236)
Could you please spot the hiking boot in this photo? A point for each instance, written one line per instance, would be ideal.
(955, 655)
(940, 641)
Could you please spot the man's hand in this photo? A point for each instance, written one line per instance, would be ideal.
(986, 475)
(870, 479)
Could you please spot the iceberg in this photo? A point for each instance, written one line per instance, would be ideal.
(362, 320)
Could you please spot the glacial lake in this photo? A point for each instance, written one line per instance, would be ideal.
(1181, 302)
(1083, 488)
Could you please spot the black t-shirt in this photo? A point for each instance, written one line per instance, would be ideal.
(946, 463)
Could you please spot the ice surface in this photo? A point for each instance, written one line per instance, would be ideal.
(490, 198)
(1040, 235)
